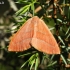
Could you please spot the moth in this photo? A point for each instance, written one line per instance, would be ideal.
(34, 33)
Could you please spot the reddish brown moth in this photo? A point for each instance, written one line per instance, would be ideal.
(34, 33)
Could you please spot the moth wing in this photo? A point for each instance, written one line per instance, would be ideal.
(21, 40)
(43, 39)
